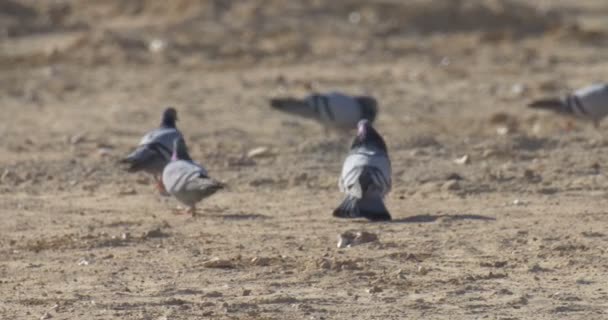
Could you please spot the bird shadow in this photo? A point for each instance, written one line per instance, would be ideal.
(245, 216)
(427, 218)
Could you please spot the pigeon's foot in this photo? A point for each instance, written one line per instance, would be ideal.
(569, 126)
(161, 189)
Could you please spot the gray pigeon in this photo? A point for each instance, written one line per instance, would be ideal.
(187, 180)
(589, 103)
(366, 177)
(333, 110)
(154, 149)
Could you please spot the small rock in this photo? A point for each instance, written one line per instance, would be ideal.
(400, 274)
(451, 185)
(45, 316)
(423, 270)
(518, 89)
(463, 160)
(374, 289)
(354, 17)
(104, 152)
(260, 261)
(537, 268)
(364, 237)
(487, 153)
(156, 233)
(10, 175)
(454, 176)
(349, 239)
(77, 138)
(217, 263)
(157, 45)
(258, 152)
(127, 192)
(502, 130)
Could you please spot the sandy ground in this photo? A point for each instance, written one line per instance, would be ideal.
(519, 232)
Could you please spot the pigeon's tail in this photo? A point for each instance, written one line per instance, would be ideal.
(293, 106)
(371, 208)
(144, 158)
(205, 186)
(553, 104)
(131, 163)
(369, 108)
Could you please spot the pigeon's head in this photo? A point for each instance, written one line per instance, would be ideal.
(369, 107)
(180, 150)
(362, 127)
(368, 137)
(169, 118)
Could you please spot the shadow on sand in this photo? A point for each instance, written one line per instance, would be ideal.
(426, 218)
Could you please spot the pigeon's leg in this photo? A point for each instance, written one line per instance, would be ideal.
(569, 126)
(160, 186)
(192, 210)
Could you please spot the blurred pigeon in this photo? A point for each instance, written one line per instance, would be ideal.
(333, 110)
(154, 149)
(187, 180)
(589, 103)
(366, 177)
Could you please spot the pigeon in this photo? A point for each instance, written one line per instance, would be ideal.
(366, 177)
(154, 149)
(187, 180)
(333, 110)
(589, 103)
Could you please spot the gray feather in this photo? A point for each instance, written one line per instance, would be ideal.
(188, 182)
(590, 103)
(153, 151)
(365, 179)
(333, 110)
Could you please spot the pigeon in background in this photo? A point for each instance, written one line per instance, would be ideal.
(154, 149)
(366, 177)
(333, 110)
(589, 103)
(187, 180)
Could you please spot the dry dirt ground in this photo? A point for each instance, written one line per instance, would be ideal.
(518, 232)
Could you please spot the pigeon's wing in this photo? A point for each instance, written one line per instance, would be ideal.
(202, 184)
(178, 174)
(188, 182)
(162, 136)
(363, 169)
(150, 157)
(153, 152)
(342, 110)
